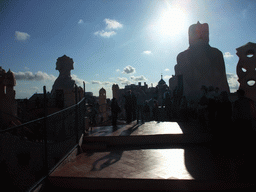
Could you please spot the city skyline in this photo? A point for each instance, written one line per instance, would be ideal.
(114, 42)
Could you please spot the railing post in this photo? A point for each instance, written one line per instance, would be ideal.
(84, 88)
(76, 118)
(84, 109)
(45, 133)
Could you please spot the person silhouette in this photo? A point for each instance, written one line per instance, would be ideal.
(128, 107)
(243, 114)
(115, 109)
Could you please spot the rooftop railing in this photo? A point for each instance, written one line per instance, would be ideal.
(43, 142)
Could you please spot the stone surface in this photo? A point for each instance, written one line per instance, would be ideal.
(246, 69)
(64, 81)
(201, 64)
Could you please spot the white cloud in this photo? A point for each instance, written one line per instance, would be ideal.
(21, 36)
(138, 78)
(96, 82)
(167, 77)
(147, 52)
(129, 69)
(228, 55)
(124, 80)
(105, 33)
(109, 30)
(78, 81)
(101, 83)
(38, 76)
(117, 70)
(232, 82)
(167, 69)
(112, 24)
(106, 83)
(80, 21)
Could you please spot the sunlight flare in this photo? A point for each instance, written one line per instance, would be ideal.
(172, 21)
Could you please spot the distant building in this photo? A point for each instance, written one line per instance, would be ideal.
(151, 92)
(103, 104)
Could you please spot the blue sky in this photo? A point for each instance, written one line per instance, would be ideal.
(114, 41)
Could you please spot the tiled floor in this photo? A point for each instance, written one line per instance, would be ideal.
(189, 163)
(147, 163)
(193, 162)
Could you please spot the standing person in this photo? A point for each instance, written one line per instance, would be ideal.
(155, 110)
(243, 113)
(211, 107)
(115, 109)
(92, 115)
(223, 116)
(140, 101)
(216, 94)
(134, 107)
(203, 107)
(146, 111)
(168, 106)
(128, 107)
(183, 108)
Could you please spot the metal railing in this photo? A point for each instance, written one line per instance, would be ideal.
(45, 140)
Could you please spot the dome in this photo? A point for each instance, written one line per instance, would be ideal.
(102, 91)
(161, 82)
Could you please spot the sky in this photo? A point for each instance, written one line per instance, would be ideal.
(114, 41)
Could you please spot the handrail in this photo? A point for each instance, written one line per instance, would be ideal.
(39, 119)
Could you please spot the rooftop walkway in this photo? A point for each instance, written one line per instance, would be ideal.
(154, 156)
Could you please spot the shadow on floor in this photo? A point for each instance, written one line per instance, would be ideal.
(112, 157)
(105, 130)
(130, 130)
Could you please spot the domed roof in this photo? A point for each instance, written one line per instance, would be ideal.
(161, 82)
(102, 90)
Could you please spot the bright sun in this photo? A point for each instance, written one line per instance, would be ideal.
(171, 22)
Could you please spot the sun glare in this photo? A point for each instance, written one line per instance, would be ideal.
(172, 21)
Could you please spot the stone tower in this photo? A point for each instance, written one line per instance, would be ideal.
(246, 69)
(200, 64)
(64, 86)
(7, 97)
(115, 91)
(161, 90)
(103, 103)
